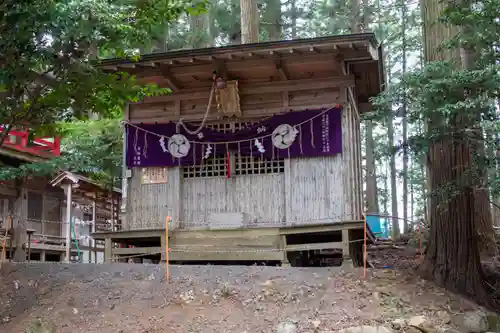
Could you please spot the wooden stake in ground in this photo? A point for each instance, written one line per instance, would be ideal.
(167, 273)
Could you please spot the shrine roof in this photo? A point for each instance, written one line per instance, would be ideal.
(352, 60)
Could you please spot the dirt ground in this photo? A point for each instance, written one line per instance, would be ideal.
(134, 298)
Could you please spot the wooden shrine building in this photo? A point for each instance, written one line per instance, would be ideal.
(255, 155)
(33, 210)
(26, 203)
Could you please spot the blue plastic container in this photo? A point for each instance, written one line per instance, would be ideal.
(378, 225)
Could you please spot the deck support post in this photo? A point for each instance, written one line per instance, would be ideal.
(284, 262)
(92, 243)
(19, 237)
(69, 204)
(346, 253)
(163, 248)
(108, 247)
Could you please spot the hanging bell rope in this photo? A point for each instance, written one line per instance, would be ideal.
(198, 130)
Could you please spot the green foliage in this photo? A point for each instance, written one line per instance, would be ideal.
(50, 78)
(90, 147)
(446, 96)
(49, 49)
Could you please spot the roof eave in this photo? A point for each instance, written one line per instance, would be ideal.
(366, 37)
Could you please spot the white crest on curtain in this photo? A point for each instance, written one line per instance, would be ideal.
(178, 145)
(162, 144)
(283, 136)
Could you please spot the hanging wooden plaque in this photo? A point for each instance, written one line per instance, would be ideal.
(154, 176)
(228, 100)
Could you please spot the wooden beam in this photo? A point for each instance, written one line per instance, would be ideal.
(340, 63)
(354, 102)
(129, 234)
(322, 228)
(262, 88)
(373, 51)
(7, 191)
(221, 69)
(364, 107)
(315, 246)
(285, 96)
(283, 73)
(199, 255)
(129, 65)
(24, 156)
(136, 250)
(169, 77)
(186, 69)
(256, 114)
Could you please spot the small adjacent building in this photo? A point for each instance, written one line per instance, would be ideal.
(33, 210)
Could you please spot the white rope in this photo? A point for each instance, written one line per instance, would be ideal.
(229, 142)
(225, 250)
(198, 130)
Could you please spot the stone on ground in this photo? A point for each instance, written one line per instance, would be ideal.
(286, 327)
(366, 329)
(471, 322)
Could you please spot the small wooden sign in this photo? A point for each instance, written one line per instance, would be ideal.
(154, 176)
(228, 100)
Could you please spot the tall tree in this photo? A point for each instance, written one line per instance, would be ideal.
(357, 22)
(392, 166)
(200, 33)
(271, 20)
(404, 66)
(46, 52)
(452, 95)
(293, 17)
(249, 21)
(226, 21)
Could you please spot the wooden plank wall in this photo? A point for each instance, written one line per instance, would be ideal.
(311, 190)
(314, 190)
(49, 200)
(52, 205)
(150, 204)
(352, 178)
(170, 108)
(260, 197)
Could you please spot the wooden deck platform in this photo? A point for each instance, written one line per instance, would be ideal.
(43, 244)
(258, 244)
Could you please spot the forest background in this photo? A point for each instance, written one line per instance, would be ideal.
(397, 25)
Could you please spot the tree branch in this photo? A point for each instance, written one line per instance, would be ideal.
(6, 130)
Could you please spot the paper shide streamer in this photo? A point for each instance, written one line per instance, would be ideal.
(288, 134)
(259, 146)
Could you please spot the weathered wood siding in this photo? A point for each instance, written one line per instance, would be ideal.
(259, 197)
(37, 206)
(150, 204)
(254, 104)
(314, 190)
(351, 161)
(310, 190)
(52, 206)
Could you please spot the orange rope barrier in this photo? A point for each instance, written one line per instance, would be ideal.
(167, 273)
(420, 242)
